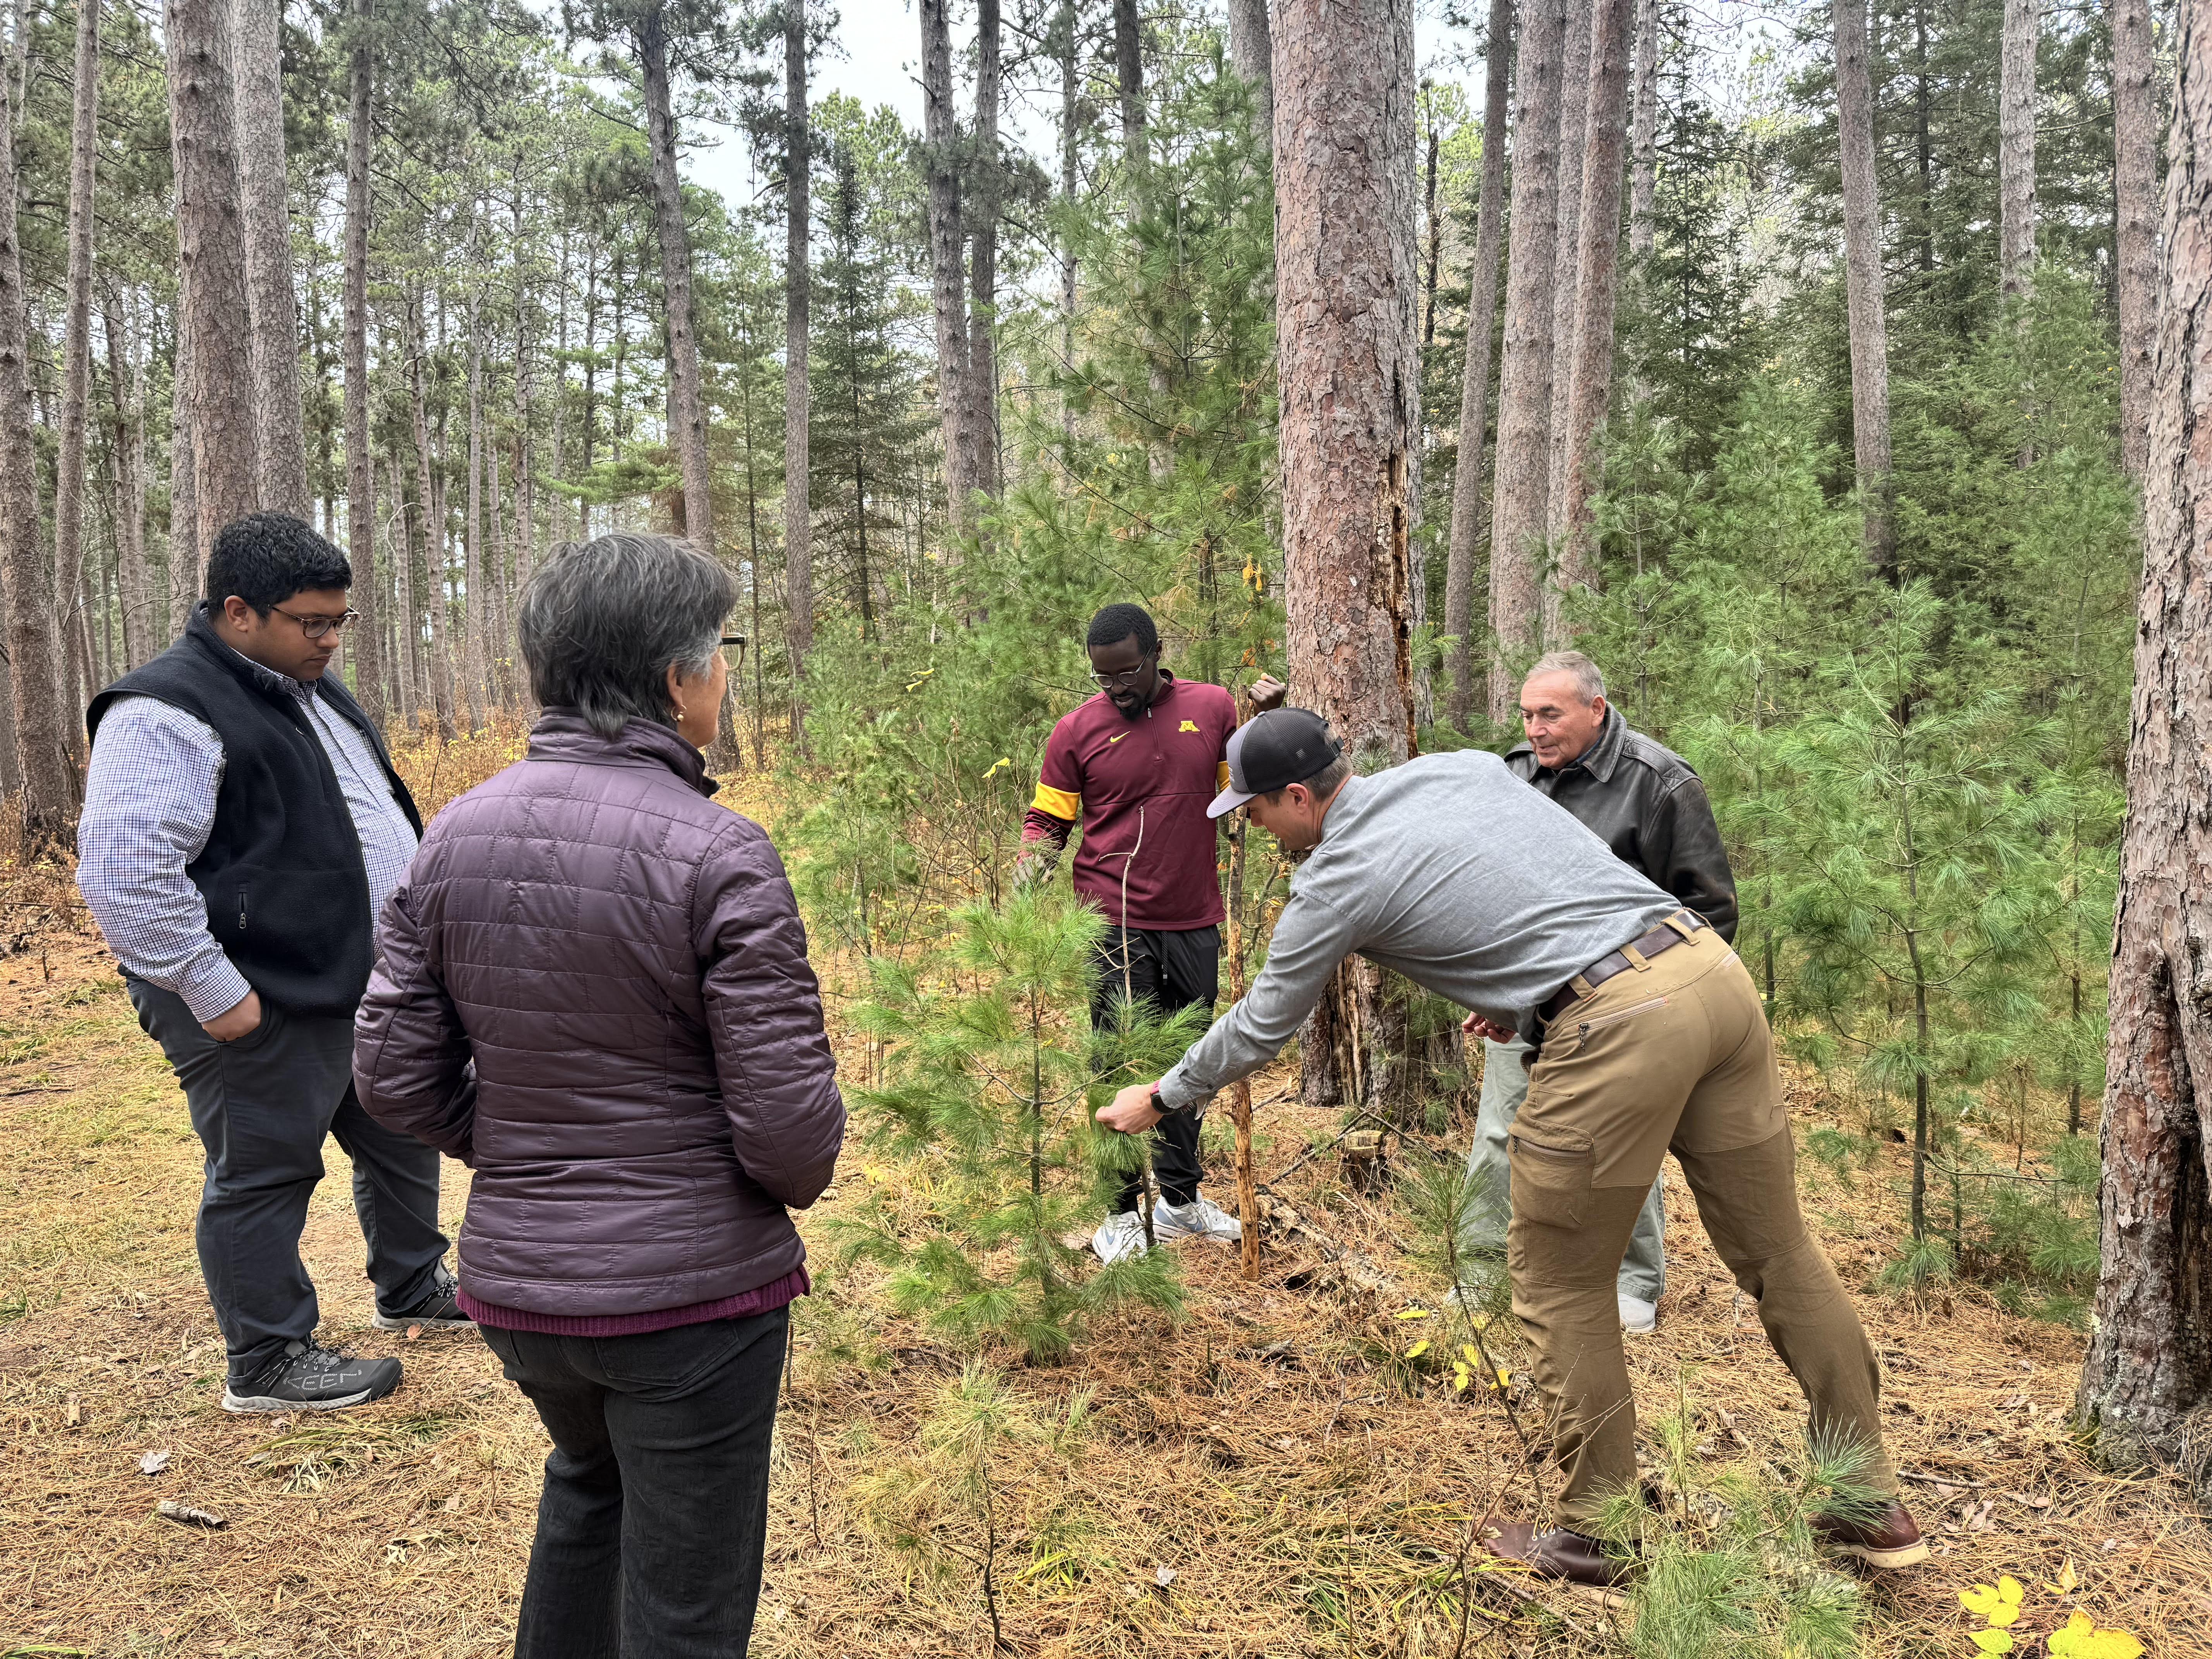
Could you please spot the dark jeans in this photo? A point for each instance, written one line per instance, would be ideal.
(261, 1106)
(1170, 971)
(654, 1516)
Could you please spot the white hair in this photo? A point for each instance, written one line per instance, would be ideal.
(1588, 679)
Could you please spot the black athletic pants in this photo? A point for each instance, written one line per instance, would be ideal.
(1170, 971)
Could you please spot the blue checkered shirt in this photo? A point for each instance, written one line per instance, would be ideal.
(148, 807)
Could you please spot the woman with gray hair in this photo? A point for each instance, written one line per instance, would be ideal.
(593, 991)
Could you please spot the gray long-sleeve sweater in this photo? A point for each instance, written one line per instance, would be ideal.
(1451, 870)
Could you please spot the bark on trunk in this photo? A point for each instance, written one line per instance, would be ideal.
(798, 280)
(1129, 77)
(2147, 1383)
(141, 627)
(438, 692)
(281, 440)
(2134, 197)
(1870, 333)
(473, 563)
(983, 228)
(211, 261)
(2017, 148)
(183, 511)
(76, 327)
(687, 406)
(42, 748)
(367, 646)
(1643, 123)
(1346, 286)
(1474, 385)
(1521, 493)
(1590, 380)
(948, 275)
(1252, 55)
(1575, 75)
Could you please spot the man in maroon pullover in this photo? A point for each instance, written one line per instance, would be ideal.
(1138, 764)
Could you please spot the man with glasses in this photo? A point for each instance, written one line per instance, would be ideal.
(242, 826)
(1138, 764)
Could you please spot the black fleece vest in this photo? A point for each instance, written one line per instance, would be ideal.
(287, 892)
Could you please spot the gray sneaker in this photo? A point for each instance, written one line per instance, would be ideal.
(439, 1310)
(1119, 1236)
(312, 1378)
(1200, 1218)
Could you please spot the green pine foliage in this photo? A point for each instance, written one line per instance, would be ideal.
(992, 1081)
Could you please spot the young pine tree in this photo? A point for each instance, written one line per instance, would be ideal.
(993, 1080)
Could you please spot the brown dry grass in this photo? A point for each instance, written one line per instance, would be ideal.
(1261, 1447)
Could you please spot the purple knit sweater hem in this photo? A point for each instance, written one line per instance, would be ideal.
(763, 1299)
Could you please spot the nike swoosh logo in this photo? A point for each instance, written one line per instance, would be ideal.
(1117, 736)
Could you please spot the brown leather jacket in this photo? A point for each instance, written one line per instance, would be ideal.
(1641, 800)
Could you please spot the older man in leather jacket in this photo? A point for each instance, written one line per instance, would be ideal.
(1644, 802)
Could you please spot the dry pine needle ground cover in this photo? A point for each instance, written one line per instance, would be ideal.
(1255, 1480)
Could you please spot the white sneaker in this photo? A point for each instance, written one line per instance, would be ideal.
(1200, 1218)
(1638, 1317)
(1119, 1236)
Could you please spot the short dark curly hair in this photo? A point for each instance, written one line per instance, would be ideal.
(1118, 623)
(266, 557)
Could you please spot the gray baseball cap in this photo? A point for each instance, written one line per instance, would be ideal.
(1272, 751)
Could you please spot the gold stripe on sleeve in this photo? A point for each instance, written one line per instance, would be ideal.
(1221, 775)
(1058, 803)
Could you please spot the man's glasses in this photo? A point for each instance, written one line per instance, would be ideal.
(315, 626)
(1124, 680)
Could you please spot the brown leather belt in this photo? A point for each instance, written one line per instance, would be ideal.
(1665, 936)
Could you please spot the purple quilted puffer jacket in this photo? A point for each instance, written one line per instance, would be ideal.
(623, 961)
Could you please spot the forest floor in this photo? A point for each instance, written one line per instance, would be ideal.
(1263, 1476)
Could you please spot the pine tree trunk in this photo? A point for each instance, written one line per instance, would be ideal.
(76, 327)
(687, 406)
(1590, 380)
(983, 228)
(1346, 282)
(1643, 127)
(2017, 148)
(185, 561)
(367, 646)
(41, 744)
(1575, 76)
(798, 282)
(473, 563)
(1520, 497)
(2147, 1383)
(140, 626)
(273, 337)
(406, 612)
(1252, 55)
(434, 684)
(1129, 78)
(948, 275)
(1070, 112)
(211, 258)
(2134, 233)
(1870, 333)
(1474, 384)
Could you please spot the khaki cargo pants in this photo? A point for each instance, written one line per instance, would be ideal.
(1672, 1055)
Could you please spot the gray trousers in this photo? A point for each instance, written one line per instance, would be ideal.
(261, 1106)
(1505, 1087)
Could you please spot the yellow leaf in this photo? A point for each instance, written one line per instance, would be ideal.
(1993, 1641)
(2067, 1582)
(1418, 1349)
(2082, 1639)
(1991, 1599)
(2002, 1616)
(1474, 1354)
(1412, 1313)
(1460, 1382)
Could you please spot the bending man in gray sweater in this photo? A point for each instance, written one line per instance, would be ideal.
(1650, 1037)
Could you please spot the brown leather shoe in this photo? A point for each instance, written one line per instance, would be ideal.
(1578, 1563)
(1891, 1539)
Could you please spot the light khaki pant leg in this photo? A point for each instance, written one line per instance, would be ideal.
(1676, 1055)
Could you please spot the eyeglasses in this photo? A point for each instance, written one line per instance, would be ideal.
(1124, 680)
(315, 626)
